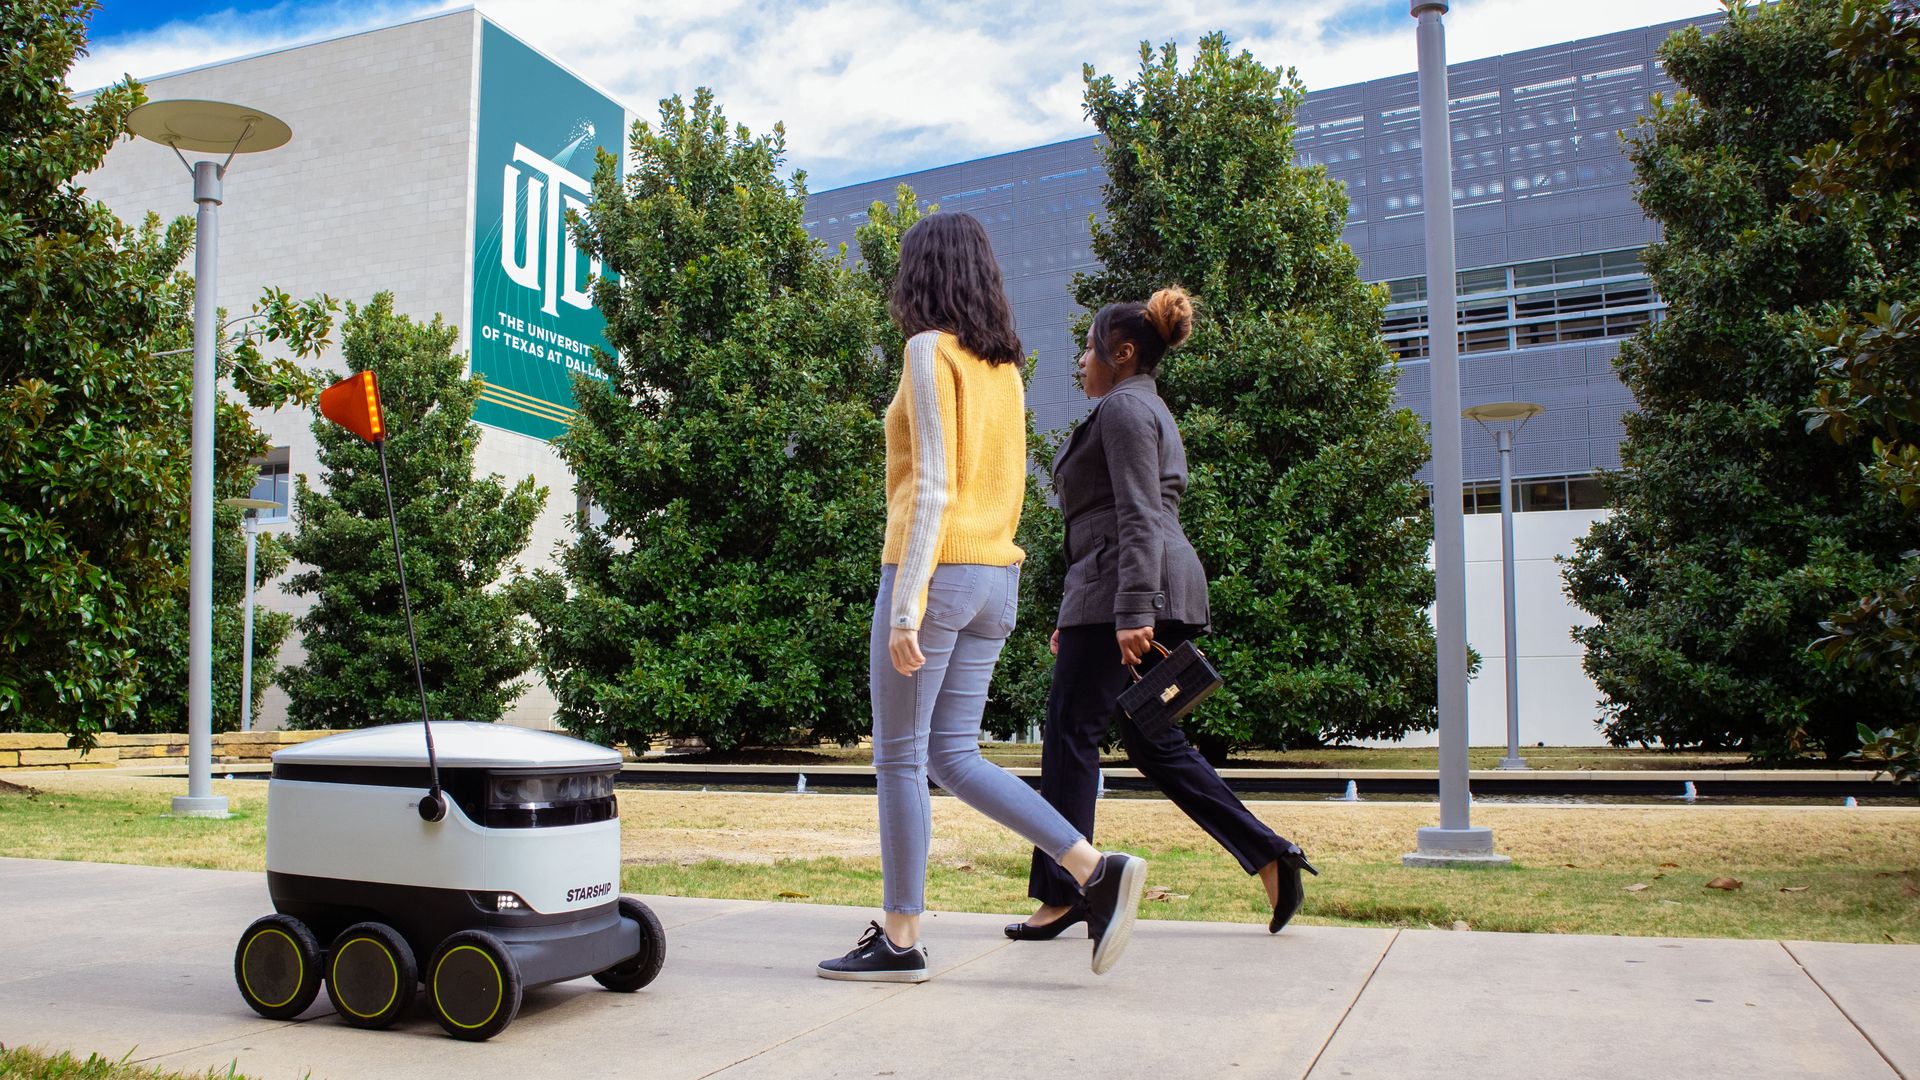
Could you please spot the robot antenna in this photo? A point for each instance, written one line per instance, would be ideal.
(354, 404)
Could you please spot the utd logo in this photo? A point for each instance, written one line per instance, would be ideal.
(543, 257)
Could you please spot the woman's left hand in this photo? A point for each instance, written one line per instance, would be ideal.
(904, 645)
(1133, 644)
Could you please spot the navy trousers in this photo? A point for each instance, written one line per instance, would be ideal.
(1082, 706)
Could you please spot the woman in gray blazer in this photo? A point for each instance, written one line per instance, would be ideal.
(1133, 580)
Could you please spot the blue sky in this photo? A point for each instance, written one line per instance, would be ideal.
(869, 88)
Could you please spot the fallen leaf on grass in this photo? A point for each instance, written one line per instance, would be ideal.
(1657, 877)
(1725, 884)
(1639, 886)
(1795, 888)
(1671, 865)
(1461, 924)
(965, 867)
(1569, 866)
(791, 895)
(1162, 894)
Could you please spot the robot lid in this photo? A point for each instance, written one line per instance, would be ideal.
(457, 744)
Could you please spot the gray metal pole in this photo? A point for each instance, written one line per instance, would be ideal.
(1455, 840)
(246, 634)
(1504, 440)
(200, 801)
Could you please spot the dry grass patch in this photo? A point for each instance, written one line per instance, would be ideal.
(1854, 874)
(1333, 757)
(1852, 871)
(107, 817)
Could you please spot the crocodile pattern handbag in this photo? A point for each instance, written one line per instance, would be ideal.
(1170, 689)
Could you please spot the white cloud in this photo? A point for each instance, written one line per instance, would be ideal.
(870, 87)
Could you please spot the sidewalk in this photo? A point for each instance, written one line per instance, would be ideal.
(107, 958)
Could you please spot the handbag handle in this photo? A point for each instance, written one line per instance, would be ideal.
(1136, 671)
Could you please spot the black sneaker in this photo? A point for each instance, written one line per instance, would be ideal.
(877, 959)
(1113, 899)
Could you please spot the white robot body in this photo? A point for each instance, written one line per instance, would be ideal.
(550, 870)
(515, 795)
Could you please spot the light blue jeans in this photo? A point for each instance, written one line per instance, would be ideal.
(928, 725)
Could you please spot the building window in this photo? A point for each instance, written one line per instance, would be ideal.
(274, 482)
(1546, 302)
(1585, 493)
(1581, 492)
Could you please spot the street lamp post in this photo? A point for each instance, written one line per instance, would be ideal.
(1455, 841)
(252, 528)
(1515, 413)
(205, 127)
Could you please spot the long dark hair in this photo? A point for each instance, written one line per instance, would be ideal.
(949, 280)
(1155, 328)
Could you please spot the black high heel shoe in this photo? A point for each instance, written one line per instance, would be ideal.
(1020, 931)
(1292, 893)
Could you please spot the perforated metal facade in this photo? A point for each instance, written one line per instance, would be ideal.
(1540, 183)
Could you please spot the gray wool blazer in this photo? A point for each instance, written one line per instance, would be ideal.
(1119, 479)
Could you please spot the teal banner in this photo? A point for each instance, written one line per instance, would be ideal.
(533, 323)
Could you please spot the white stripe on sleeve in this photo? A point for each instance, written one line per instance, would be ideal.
(930, 483)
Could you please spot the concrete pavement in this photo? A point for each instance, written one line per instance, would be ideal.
(109, 958)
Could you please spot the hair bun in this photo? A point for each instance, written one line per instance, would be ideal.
(1171, 312)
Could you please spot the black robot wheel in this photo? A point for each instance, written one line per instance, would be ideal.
(371, 975)
(474, 985)
(277, 966)
(639, 969)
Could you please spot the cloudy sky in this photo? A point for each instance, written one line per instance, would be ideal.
(870, 88)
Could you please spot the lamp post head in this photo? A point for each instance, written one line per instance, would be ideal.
(208, 127)
(1495, 412)
(1419, 6)
(251, 506)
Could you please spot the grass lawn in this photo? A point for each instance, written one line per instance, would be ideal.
(17, 1063)
(1338, 757)
(1824, 873)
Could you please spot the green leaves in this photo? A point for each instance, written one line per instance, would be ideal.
(95, 381)
(1895, 751)
(1745, 518)
(736, 451)
(459, 535)
(1303, 503)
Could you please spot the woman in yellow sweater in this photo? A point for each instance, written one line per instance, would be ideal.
(949, 590)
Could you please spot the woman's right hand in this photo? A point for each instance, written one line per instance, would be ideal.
(1053, 643)
(904, 647)
(1134, 643)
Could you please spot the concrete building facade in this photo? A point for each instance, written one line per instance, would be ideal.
(405, 139)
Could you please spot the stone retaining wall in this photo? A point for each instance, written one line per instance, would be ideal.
(20, 751)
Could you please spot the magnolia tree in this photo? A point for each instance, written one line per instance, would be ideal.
(1303, 502)
(735, 448)
(1869, 185)
(95, 385)
(1736, 531)
(460, 535)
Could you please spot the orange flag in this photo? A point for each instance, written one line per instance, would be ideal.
(354, 404)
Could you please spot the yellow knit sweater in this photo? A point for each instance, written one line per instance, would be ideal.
(956, 467)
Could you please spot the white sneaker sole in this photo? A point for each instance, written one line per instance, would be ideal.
(1106, 951)
(919, 976)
